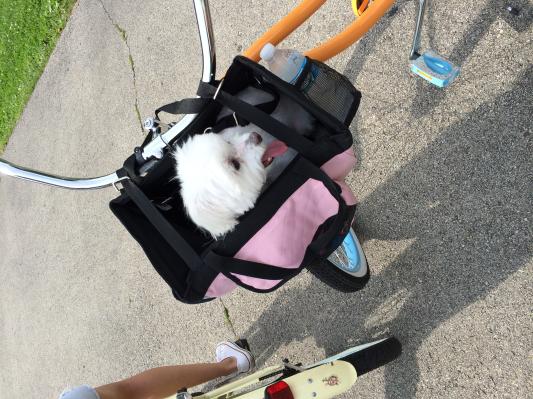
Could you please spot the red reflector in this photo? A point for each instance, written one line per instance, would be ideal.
(279, 390)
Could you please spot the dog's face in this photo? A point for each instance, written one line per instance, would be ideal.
(221, 177)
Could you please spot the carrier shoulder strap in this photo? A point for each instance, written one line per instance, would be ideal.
(185, 106)
(195, 105)
(227, 266)
(235, 118)
(167, 231)
(258, 117)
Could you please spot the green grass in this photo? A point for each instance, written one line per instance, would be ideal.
(29, 30)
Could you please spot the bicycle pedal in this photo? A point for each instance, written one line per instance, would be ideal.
(434, 68)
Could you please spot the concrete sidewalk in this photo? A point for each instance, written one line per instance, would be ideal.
(444, 182)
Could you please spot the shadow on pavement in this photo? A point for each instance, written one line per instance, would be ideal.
(428, 97)
(462, 202)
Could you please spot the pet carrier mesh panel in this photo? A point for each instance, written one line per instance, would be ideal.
(329, 90)
(298, 219)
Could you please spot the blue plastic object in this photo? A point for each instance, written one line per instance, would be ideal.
(437, 65)
(435, 69)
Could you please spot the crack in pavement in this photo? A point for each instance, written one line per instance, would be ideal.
(124, 36)
(227, 319)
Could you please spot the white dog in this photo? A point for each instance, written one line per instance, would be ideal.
(223, 174)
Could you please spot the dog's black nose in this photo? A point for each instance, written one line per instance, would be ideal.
(255, 138)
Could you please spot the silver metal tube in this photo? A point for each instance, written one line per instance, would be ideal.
(207, 41)
(155, 149)
(418, 30)
(9, 169)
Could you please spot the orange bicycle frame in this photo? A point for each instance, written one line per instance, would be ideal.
(331, 47)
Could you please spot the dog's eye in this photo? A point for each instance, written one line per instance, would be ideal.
(236, 164)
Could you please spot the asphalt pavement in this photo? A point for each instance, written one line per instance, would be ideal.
(444, 182)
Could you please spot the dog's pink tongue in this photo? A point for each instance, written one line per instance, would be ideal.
(274, 149)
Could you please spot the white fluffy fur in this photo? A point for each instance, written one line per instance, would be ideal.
(215, 193)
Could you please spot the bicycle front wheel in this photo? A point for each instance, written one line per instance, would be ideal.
(346, 269)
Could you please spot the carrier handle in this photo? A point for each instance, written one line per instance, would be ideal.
(185, 106)
(258, 117)
(167, 231)
(196, 105)
(229, 266)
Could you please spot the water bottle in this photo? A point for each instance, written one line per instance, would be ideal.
(286, 64)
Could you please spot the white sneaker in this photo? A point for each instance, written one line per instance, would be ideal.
(245, 360)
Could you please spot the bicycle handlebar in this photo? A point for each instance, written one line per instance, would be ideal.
(156, 146)
(9, 169)
(278, 32)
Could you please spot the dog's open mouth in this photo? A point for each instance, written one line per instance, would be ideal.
(274, 149)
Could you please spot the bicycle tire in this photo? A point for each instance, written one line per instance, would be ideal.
(346, 269)
(332, 276)
(375, 356)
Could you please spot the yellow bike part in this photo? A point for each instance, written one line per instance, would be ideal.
(359, 6)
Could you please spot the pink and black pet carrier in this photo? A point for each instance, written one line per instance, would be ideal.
(297, 222)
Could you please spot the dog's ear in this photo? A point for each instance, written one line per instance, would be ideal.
(177, 148)
(177, 153)
(180, 148)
